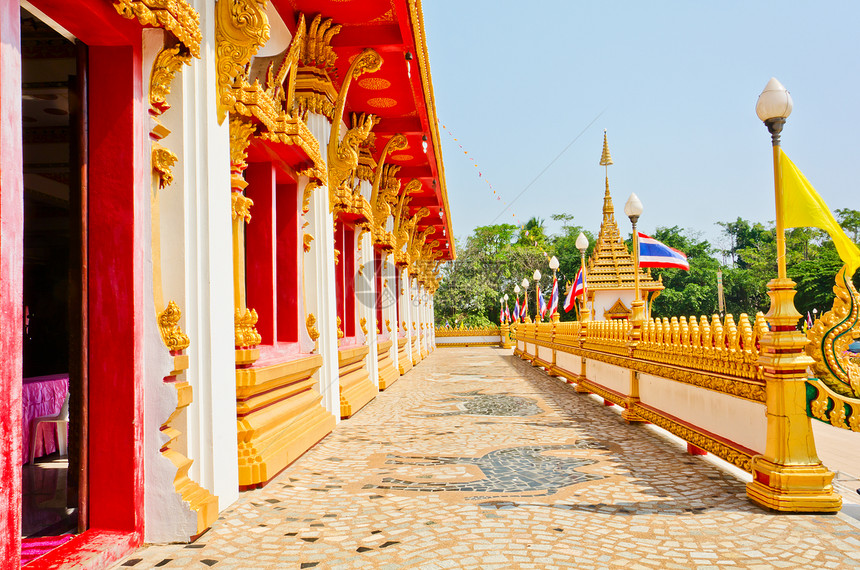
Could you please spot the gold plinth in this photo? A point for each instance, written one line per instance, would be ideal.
(788, 476)
(387, 373)
(404, 361)
(280, 416)
(356, 389)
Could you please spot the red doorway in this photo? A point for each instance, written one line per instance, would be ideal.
(111, 270)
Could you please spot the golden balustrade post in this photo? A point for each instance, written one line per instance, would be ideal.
(789, 476)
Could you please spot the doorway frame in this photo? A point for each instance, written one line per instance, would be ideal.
(116, 183)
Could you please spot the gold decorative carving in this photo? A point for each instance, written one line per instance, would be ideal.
(830, 337)
(162, 163)
(306, 242)
(340, 333)
(317, 50)
(240, 137)
(374, 83)
(175, 16)
(311, 325)
(241, 28)
(388, 324)
(343, 154)
(344, 192)
(246, 334)
(467, 331)
(385, 189)
(241, 207)
(168, 324)
(382, 102)
(167, 63)
(363, 324)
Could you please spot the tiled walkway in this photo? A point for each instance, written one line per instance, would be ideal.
(476, 460)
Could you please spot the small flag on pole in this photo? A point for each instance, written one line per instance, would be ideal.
(517, 315)
(524, 311)
(653, 253)
(553, 300)
(542, 305)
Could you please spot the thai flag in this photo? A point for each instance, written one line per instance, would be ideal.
(541, 305)
(553, 300)
(501, 315)
(507, 313)
(652, 253)
(524, 311)
(577, 289)
(517, 315)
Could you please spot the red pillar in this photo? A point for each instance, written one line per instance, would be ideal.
(117, 183)
(260, 248)
(11, 282)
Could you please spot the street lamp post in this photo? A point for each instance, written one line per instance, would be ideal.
(582, 245)
(633, 209)
(788, 476)
(553, 264)
(525, 284)
(536, 277)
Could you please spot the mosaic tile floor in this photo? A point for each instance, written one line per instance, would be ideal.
(475, 460)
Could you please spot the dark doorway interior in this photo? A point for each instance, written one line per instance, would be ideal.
(52, 276)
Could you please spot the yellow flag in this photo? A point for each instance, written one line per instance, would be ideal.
(803, 207)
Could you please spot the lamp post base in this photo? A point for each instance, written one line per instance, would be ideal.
(793, 488)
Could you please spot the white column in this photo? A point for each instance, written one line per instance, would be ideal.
(167, 518)
(433, 322)
(320, 281)
(390, 298)
(204, 169)
(405, 319)
(365, 291)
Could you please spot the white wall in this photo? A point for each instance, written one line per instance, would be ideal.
(736, 419)
(166, 516)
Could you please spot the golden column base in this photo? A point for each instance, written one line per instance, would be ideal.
(504, 333)
(793, 488)
(788, 476)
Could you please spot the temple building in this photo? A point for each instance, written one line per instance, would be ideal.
(221, 227)
(611, 271)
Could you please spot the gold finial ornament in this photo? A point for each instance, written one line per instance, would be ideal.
(605, 157)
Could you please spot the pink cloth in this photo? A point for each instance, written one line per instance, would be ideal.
(42, 396)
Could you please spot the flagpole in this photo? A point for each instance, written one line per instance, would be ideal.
(775, 128)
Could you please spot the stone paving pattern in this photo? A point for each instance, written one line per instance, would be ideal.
(552, 480)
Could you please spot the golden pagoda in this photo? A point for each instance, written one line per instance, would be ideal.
(610, 272)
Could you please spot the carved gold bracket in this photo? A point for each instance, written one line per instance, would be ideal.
(241, 28)
(175, 16)
(162, 163)
(343, 155)
(168, 324)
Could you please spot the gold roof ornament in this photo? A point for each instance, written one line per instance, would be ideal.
(605, 158)
(611, 263)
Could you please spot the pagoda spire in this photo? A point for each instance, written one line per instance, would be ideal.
(605, 161)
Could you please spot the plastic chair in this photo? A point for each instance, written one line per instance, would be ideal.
(61, 423)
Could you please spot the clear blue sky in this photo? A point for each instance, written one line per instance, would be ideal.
(516, 82)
